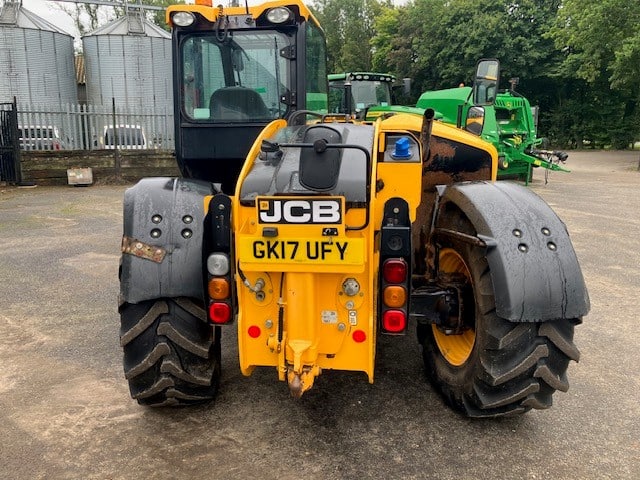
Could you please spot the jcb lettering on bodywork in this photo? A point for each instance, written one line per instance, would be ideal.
(300, 211)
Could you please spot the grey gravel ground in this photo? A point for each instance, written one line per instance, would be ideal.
(65, 410)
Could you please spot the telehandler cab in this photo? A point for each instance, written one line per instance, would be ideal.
(336, 232)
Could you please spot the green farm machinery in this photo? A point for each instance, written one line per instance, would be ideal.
(502, 118)
(367, 95)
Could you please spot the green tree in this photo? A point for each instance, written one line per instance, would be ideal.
(467, 30)
(600, 41)
(386, 26)
(438, 42)
(349, 28)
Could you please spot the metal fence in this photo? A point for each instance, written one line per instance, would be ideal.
(91, 127)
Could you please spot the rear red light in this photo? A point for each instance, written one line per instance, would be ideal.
(254, 331)
(394, 271)
(359, 336)
(219, 312)
(394, 321)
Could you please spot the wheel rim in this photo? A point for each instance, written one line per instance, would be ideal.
(456, 349)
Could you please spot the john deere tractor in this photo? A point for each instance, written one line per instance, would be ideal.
(356, 91)
(334, 233)
(367, 95)
(503, 118)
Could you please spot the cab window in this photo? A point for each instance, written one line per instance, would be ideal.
(242, 78)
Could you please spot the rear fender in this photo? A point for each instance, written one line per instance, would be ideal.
(534, 269)
(168, 262)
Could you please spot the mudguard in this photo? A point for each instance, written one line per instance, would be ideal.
(535, 273)
(167, 262)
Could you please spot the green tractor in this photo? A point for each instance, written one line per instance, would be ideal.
(504, 119)
(371, 94)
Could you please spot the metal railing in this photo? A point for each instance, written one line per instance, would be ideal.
(91, 127)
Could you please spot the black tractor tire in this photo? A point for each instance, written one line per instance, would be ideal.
(498, 367)
(171, 354)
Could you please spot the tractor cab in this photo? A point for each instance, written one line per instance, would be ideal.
(355, 92)
(235, 70)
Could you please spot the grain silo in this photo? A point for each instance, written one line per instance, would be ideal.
(37, 59)
(129, 60)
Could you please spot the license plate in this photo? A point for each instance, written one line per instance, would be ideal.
(301, 251)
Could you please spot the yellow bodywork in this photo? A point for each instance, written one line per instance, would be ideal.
(211, 11)
(295, 310)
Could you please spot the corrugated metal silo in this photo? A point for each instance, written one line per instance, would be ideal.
(129, 60)
(36, 59)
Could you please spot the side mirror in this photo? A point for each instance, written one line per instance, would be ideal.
(475, 120)
(406, 86)
(236, 58)
(336, 99)
(486, 81)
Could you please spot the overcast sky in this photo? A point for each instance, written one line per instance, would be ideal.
(50, 12)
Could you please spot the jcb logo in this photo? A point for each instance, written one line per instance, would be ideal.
(300, 211)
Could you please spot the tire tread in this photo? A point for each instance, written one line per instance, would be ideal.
(171, 355)
(514, 366)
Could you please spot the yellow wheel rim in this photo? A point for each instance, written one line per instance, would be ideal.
(456, 349)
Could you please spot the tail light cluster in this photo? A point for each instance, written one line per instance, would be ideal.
(395, 269)
(219, 288)
(395, 295)
(219, 268)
